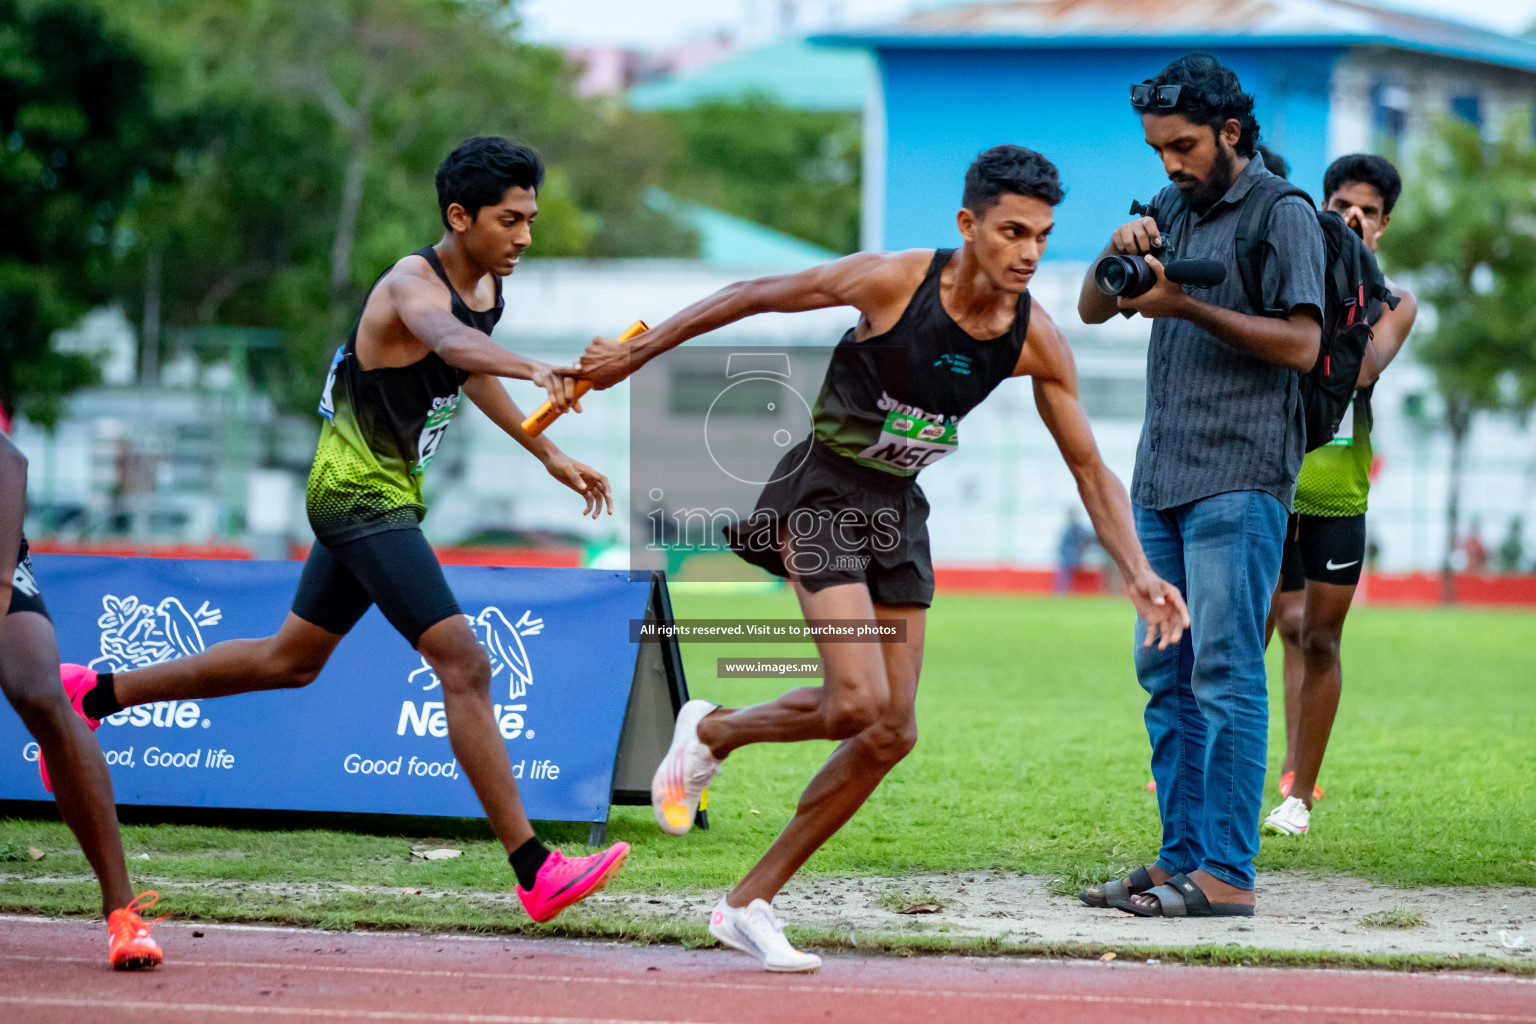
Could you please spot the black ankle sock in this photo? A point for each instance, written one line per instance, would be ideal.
(526, 861)
(101, 700)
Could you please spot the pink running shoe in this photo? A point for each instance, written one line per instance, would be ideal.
(78, 681)
(565, 880)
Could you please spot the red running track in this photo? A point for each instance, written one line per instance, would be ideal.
(55, 971)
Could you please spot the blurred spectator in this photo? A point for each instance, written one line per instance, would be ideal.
(1069, 552)
(1273, 162)
(1474, 549)
(1372, 554)
(1512, 547)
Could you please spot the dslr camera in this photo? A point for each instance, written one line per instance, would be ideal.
(1129, 276)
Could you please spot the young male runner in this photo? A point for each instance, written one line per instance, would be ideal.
(938, 330)
(1325, 540)
(81, 784)
(422, 335)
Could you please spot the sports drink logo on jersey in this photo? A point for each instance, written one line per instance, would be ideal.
(433, 429)
(911, 438)
(503, 641)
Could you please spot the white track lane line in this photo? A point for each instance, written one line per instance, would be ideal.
(309, 1013)
(1146, 1002)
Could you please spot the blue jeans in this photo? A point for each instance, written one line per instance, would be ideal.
(1207, 703)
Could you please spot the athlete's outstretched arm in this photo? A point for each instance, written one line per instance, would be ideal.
(871, 282)
(1388, 335)
(13, 509)
(490, 396)
(1048, 359)
(424, 307)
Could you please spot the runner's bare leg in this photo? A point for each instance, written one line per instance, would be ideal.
(294, 657)
(1326, 606)
(872, 687)
(464, 668)
(82, 786)
(1286, 609)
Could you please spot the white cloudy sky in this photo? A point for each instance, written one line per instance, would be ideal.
(658, 23)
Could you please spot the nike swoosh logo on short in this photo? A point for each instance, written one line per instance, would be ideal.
(1335, 568)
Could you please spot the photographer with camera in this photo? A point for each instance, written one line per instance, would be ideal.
(1215, 473)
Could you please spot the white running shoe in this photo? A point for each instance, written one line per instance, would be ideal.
(680, 779)
(754, 930)
(1289, 819)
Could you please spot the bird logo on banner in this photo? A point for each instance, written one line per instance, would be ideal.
(136, 635)
(503, 641)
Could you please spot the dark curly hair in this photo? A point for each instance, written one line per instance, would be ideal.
(1368, 169)
(1010, 169)
(479, 172)
(1211, 96)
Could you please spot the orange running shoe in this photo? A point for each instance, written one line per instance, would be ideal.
(564, 880)
(129, 946)
(1285, 786)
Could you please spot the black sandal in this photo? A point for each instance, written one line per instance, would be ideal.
(1140, 879)
(1180, 897)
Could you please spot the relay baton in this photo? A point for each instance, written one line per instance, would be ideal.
(545, 415)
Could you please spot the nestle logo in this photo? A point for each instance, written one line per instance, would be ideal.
(430, 719)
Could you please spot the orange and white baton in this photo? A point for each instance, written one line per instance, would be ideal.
(546, 414)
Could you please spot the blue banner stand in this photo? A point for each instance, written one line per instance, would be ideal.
(586, 713)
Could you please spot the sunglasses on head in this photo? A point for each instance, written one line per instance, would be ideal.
(1155, 97)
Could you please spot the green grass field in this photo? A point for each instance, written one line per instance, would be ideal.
(1032, 757)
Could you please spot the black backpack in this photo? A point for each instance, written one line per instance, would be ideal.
(1354, 291)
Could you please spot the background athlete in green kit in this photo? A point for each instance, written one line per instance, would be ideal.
(423, 335)
(1325, 539)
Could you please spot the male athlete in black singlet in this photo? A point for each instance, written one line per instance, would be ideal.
(938, 331)
(422, 335)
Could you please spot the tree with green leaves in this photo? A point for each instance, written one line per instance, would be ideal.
(1467, 229)
(78, 138)
(313, 131)
(795, 171)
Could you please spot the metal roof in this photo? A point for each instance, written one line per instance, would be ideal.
(1194, 23)
(726, 240)
(789, 72)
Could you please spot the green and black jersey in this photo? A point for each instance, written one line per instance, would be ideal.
(381, 429)
(894, 402)
(1335, 478)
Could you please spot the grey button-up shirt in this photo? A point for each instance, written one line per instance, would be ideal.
(1218, 419)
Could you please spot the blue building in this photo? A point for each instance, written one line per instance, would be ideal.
(1329, 77)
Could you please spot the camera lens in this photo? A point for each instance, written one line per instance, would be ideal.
(1111, 277)
(1126, 276)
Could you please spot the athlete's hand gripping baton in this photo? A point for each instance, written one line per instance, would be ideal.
(545, 415)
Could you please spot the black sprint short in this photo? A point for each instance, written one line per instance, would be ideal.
(846, 523)
(395, 570)
(26, 595)
(1327, 549)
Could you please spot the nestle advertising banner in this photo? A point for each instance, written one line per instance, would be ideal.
(369, 735)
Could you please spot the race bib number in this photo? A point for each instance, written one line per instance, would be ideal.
(432, 432)
(910, 443)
